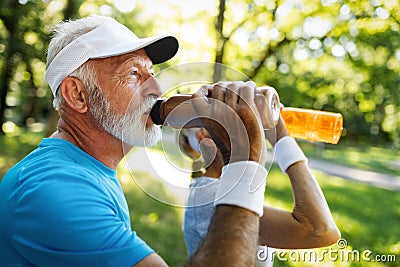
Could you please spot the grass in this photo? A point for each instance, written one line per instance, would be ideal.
(366, 158)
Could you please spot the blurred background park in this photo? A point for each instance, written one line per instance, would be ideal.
(333, 55)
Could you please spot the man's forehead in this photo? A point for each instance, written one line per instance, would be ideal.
(136, 58)
(139, 56)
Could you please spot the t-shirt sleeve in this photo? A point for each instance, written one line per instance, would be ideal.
(66, 220)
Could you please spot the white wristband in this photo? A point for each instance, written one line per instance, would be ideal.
(288, 152)
(242, 184)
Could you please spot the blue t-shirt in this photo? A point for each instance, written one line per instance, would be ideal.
(59, 206)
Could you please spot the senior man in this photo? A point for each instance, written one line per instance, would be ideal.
(62, 205)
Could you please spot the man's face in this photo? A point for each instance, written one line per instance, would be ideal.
(127, 91)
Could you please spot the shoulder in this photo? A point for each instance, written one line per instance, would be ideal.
(54, 178)
(57, 162)
(61, 202)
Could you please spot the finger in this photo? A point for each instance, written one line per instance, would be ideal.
(208, 151)
(200, 101)
(218, 91)
(232, 95)
(218, 96)
(246, 94)
(233, 122)
(264, 109)
(202, 133)
(203, 91)
(251, 84)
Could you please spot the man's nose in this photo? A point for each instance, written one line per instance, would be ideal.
(151, 87)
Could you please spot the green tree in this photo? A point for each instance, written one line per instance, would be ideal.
(335, 55)
(20, 53)
(338, 56)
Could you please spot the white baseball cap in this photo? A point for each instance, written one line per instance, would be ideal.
(109, 39)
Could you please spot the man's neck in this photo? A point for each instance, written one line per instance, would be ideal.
(93, 139)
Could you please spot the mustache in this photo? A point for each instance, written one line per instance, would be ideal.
(146, 105)
(150, 101)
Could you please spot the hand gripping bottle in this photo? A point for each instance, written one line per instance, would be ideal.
(313, 125)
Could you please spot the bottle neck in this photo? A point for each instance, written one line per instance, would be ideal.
(176, 111)
(155, 112)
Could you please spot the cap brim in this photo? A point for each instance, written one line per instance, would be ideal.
(162, 50)
(158, 48)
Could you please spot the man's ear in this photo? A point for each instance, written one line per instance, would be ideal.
(74, 94)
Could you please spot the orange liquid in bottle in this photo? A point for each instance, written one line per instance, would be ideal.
(313, 125)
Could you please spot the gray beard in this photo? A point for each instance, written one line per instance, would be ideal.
(129, 127)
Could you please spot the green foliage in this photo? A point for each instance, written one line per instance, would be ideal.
(14, 147)
(337, 55)
(332, 55)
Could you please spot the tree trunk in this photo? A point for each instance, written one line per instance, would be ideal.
(5, 77)
(220, 42)
(10, 23)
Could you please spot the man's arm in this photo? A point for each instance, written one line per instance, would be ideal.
(232, 237)
(310, 224)
(233, 232)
